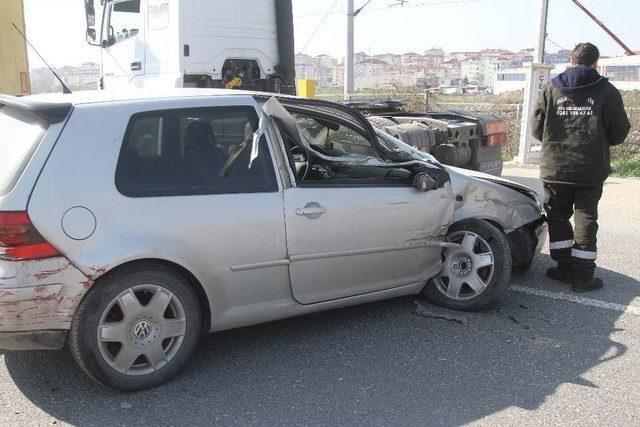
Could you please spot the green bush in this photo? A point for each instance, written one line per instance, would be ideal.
(626, 167)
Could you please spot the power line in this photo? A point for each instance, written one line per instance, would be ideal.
(398, 6)
(324, 18)
(404, 5)
(357, 12)
(555, 44)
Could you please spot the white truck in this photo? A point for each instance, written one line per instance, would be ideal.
(193, 43)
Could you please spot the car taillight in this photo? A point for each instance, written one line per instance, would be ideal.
(495, 133)
(496, 139)
(19, 239)
(491, 128)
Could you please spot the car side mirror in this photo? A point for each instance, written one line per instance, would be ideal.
(422, 181)
(104, 44)
(91, 35)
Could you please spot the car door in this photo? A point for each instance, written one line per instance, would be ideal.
(356, 235)
(123, 54)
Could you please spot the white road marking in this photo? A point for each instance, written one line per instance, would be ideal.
(589, 302)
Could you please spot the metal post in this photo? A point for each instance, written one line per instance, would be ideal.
(541, 37)
(538, 76)
(349, 54)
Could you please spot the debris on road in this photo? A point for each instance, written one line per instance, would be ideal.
(439, 313)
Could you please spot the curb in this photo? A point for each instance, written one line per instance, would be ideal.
(515, 165)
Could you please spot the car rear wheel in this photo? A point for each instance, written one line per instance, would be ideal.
(136, 328)
(476, 274)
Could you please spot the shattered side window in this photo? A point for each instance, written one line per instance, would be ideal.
(340, 155)
(335, 139)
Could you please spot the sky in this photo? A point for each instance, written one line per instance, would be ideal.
(56, 27)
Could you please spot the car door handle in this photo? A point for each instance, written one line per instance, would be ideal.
(311, 210)
(136, 66)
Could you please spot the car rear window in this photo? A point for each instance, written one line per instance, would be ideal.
(20, 134)
(181, 152)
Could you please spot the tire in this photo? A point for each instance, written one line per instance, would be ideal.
(165, 341)
(523, 248)
(467, 282)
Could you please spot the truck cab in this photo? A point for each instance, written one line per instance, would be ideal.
(193, 43)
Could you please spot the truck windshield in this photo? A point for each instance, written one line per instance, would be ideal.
(20, 134)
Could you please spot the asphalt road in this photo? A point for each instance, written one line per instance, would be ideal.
(541, 357)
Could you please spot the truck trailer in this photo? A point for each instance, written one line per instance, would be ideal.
(14, 63)
(193, 43)
(454, 137)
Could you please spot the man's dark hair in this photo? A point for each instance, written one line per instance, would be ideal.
(585, 54)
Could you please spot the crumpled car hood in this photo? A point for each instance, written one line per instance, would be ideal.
(498, 180)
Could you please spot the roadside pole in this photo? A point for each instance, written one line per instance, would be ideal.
(349, 53)
(538, 76)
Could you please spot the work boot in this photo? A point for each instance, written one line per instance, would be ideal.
(588, 285)
(562, 273)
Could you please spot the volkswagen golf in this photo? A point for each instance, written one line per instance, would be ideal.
(132, 224)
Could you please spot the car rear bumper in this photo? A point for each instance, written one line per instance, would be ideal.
(33, 340)
(37, 296)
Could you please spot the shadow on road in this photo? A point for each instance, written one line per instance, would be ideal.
(372, 364)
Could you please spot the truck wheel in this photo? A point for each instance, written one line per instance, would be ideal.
(445, 153)
(135, 329)
(476, 275)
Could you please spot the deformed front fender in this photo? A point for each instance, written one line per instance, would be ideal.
(477, 197)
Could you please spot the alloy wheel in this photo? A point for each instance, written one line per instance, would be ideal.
(467, 270)
(141, 330)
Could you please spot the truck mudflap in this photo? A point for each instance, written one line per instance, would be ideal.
(39, 295)
(526, 243)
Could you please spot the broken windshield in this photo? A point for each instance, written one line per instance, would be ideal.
(334, 139)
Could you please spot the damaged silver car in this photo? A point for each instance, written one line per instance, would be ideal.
(132, 224)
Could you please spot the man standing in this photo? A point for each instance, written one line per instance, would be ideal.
(579, 116)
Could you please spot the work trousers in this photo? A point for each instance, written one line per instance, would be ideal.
(573, 247)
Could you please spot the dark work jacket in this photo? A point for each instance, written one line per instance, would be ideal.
(578, 117)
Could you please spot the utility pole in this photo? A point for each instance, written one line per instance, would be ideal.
(538, 76)
(541, 36)
(349, 53)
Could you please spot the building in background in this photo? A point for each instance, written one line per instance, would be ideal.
(389, 58)
(509, 80)
(14, 63)
(560, 57)
(515, 79)
(369, 67)
(385, 80)
(497, 70)
(83, 77)
(622, 71)
(470, 71)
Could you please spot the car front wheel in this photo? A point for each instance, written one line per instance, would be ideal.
(475, 274)
(136, 328)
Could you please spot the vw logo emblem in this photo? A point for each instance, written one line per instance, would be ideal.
(142, 329)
